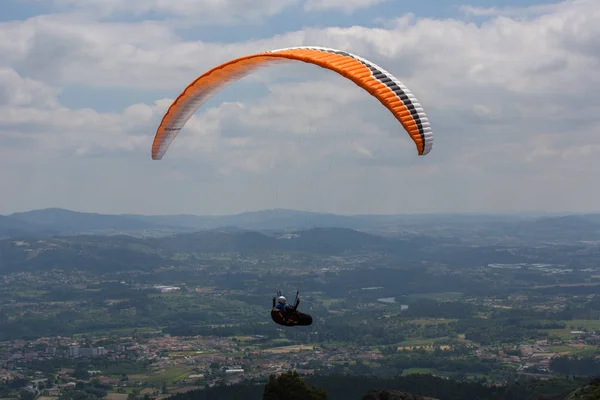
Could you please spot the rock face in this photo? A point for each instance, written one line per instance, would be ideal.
(393, 395)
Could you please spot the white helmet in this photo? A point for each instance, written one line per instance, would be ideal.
(281, 300)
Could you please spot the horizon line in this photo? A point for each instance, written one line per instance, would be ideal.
(266, 210)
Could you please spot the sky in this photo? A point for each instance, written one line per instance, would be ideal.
(510, 88)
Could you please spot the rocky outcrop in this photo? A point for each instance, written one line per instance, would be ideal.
(393, 395)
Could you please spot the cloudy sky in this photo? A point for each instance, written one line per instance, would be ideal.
(511, 89)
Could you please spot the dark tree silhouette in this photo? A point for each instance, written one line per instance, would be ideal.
(290, 386)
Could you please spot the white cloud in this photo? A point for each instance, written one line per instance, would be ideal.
(512, 103)
(347, 6)
(209, 12)
(198, 12)
(564, 7)
(18, 92)
(534, 10)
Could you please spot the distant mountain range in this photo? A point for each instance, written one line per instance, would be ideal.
(55, 221)
(13, 226)
(102, 253)
(468, 242)
(66, 222)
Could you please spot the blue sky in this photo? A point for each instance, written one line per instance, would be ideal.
(84, 85)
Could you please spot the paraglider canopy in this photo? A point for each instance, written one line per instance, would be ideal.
(378, 82)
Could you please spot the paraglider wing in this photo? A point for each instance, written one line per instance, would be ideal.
(375, 80)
